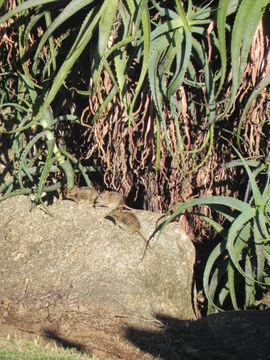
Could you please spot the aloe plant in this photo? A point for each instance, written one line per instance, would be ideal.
(31, 171)
(244, 250)
(183, 53)
(178, 37)
(35, 155)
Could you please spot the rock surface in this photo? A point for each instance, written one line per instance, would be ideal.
(45, 266)
(82, 257)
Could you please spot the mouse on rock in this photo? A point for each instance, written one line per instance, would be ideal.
(111, 199)
(266, 299)
(128, 221)
(82, 193)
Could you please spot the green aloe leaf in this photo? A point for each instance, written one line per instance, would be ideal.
(81, 41)
(261, 234)
(211, 200)
(241, 242)
(182, 15)
(24, 6)
(183, 64)
(68, 11)
(158, 47)
(209, 284)
(231, 286)
(233, 233)
(249, 285)
(145, 16)
(24, 154)
(105, 24)
(221, 28)
(47, 168)
(243, 32)
(69, 173)
(255, 190)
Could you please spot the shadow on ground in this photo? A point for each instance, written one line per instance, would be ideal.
(231, 335)
(239, 335)
(66, 344)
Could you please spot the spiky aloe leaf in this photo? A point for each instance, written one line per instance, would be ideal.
(24, 154)
(212, 200)
(210, 281)
(255, 190)
(24, 6)
(68, 11)
(233, 233)
(79, 45)
(69, 173)
(105, 23)
(242, 36)
(146, 29)
(221, 22)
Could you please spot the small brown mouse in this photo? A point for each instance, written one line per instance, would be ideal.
(111, 199)
(266, 299)
(82, 193)
(126, 220)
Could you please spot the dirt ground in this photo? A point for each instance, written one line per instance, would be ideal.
(96, 330)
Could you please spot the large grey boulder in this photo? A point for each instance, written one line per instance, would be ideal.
(82, 257)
